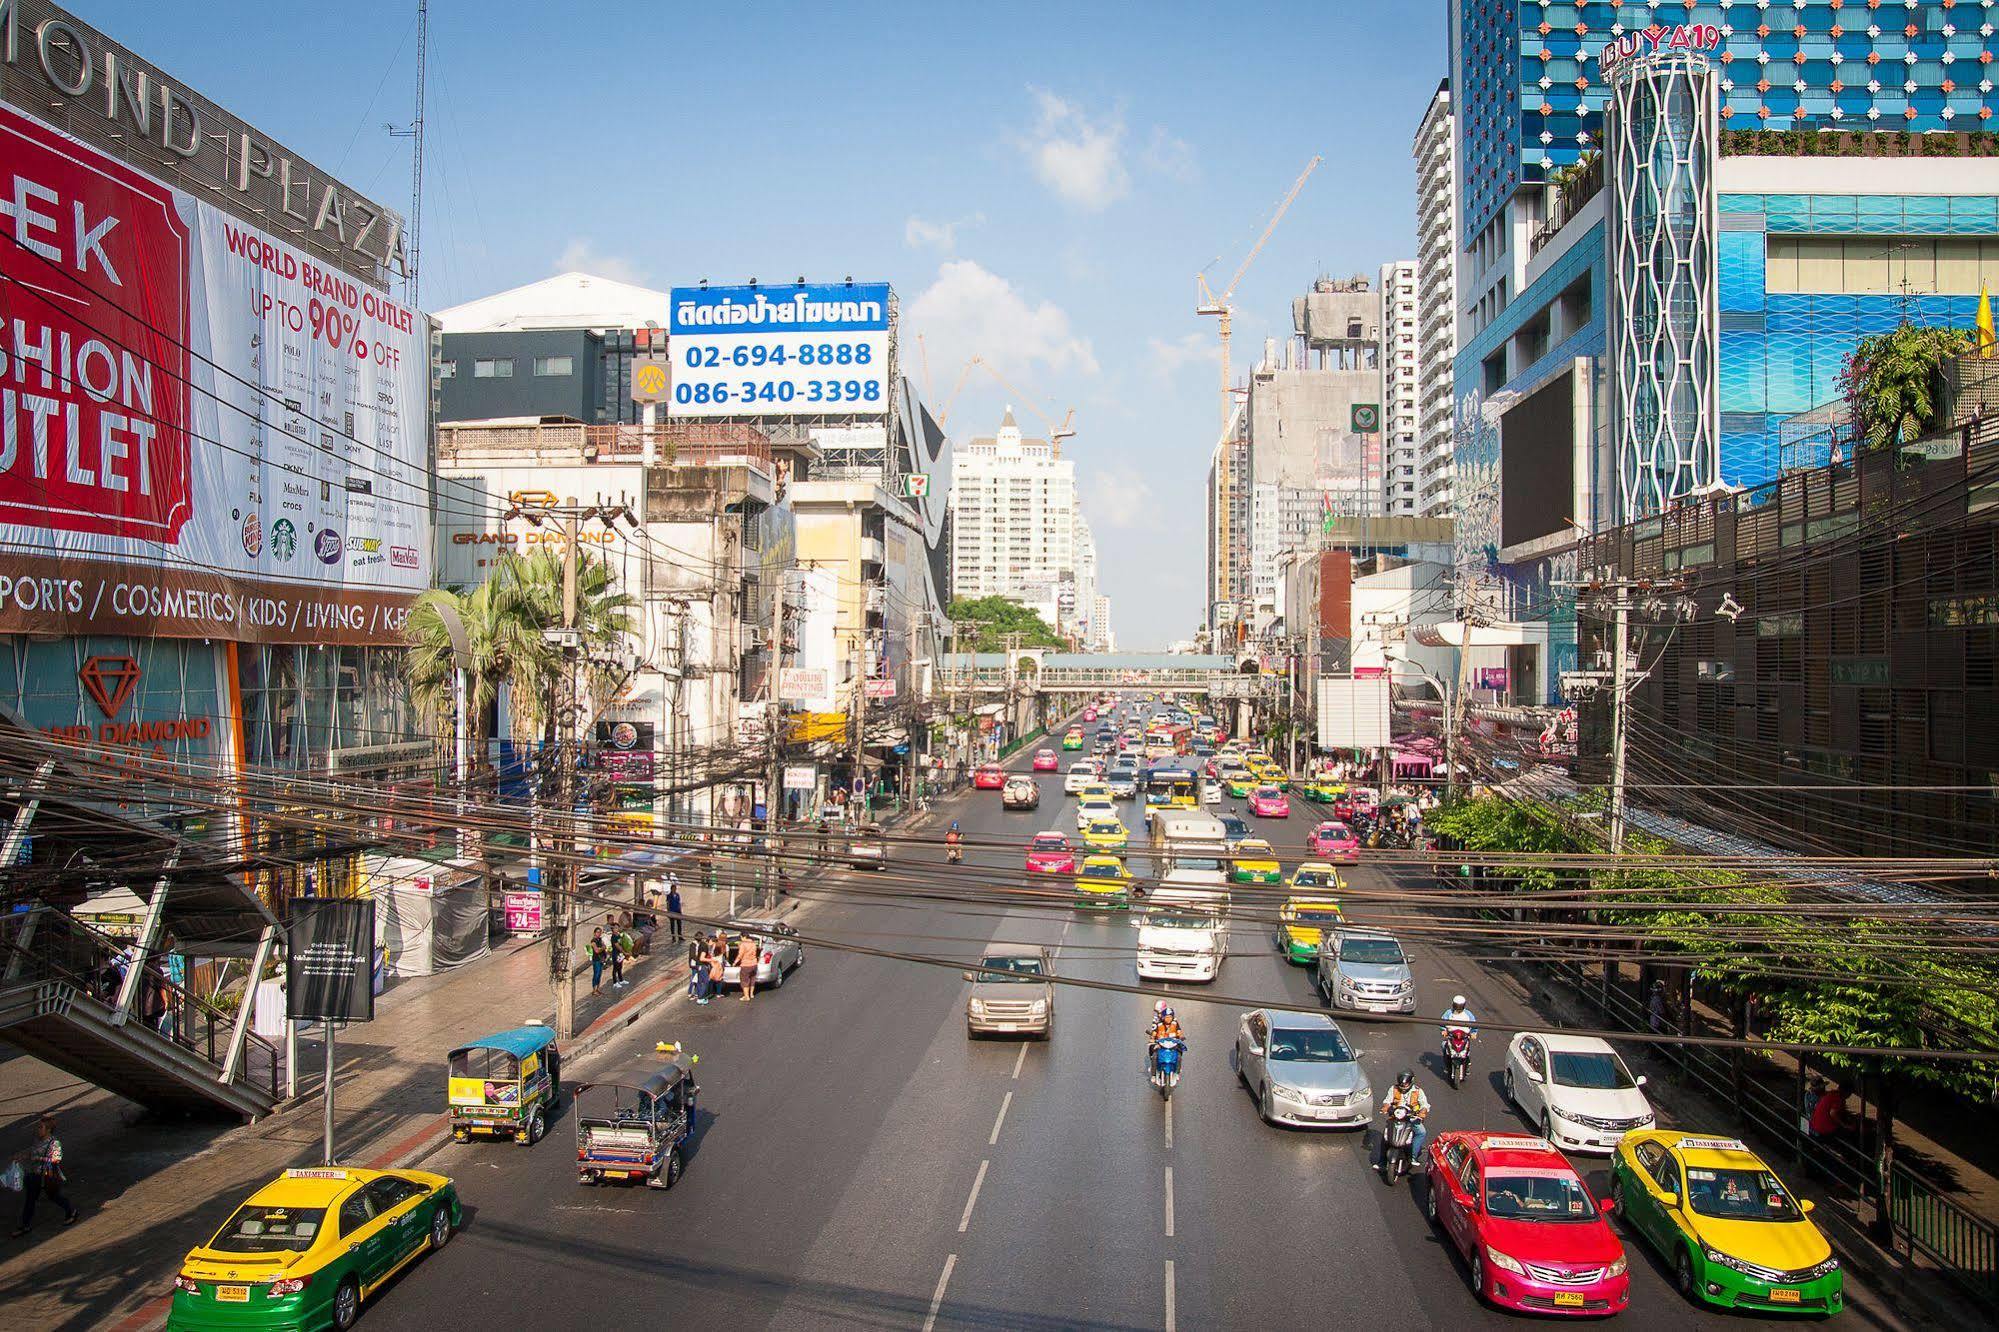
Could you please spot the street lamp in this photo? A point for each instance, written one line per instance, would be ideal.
(1445, 693)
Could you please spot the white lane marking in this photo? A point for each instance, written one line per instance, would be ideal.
(1169, 1296)
(1169, 1202)
(1169, 1126)
(937, 1296)
(1020, 1059)
(1005, 1101)
(973, 1201)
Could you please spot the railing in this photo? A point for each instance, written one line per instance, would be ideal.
(1966, 1247)
(681, 443)
(64, 950)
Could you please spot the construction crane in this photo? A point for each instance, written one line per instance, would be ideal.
(1056, 433)
(1211, 304)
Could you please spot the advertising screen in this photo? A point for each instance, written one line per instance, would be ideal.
(1537, 462)
(821, 349)
(204, 431)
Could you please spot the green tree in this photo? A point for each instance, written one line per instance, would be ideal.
(984, 624)
(1893, 381)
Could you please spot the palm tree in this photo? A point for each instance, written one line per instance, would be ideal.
(603, 613)
(1894, 381)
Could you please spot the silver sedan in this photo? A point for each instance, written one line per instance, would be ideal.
(779, 951)
(1301, 1070)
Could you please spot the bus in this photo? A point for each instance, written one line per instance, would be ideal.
(1171, 786)
(1165, 740)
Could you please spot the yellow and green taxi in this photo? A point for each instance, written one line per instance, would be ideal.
(1240, 783)
(1269, 774)
(1321, 790)
(1255, 862)
(1301, 922)
(306, 1249)
(1103, 884)
(1315, 877)
(1732, 1233)
(1072, 740)
(1106, 835)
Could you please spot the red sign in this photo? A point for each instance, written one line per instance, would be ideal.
(1658, 37)
(94, 367)
(109, 681)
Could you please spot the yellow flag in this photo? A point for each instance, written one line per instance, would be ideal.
(1986, 339)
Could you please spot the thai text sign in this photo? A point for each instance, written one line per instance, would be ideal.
(816, 349)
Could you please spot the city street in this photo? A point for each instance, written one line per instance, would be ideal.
(859, 1163)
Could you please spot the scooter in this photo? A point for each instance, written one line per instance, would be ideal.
(1166, 1053)
(1457, 1056)
(1398, 1135)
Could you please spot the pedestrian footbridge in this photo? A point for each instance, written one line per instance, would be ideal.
(1031, 670)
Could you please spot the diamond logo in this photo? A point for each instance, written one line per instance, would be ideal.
(109, 681)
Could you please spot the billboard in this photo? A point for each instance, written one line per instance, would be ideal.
(1353, 713)
(816, 349)
(329, 960)
(204, 431)
(1537, 462)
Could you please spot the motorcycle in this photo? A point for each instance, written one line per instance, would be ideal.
(954, 853)
(1398, 1136)
(1457, 1056)
(1166, 1054)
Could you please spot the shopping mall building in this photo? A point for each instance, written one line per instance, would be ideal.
(1676, 223)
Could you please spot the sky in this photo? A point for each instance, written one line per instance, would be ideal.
(1041, 183)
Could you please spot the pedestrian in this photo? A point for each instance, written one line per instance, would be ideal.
(597, 959)
(42, 1175)
(697, 971)
(617, 947)
(717, 958)
(173, 967)
(673, 905)
(1656, 1008)
(746, 965)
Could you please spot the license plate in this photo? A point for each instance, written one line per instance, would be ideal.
(621, 1174)
(1377, 1008)
(1568, 1299)
(233, 1294)
(1783, 1297)
(1006, 1026)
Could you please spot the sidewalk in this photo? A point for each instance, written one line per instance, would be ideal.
(149, 1189)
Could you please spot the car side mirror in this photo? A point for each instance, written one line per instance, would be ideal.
(1805, 1205)
(1255, 1049)
(1668, 1199)
(1639, 1081)
(1532, 1076)
(1607, 1205)
(966, 974)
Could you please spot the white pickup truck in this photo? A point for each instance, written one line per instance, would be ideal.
(1184, 933)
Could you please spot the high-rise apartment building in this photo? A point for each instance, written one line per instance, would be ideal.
(1228, 528)
(1435, 151)
(1013, 514)
(1401, 375)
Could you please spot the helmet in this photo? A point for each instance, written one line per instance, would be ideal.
(1168, 1012)
(1405, 1080)
(954, 825)
(1457, 1000)
(1159, 1007)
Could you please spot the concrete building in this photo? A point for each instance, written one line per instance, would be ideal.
(1013, 514)
(561, 347)
(1435, 151)
(1401, 378)
(1817, 237)
(1228, 529)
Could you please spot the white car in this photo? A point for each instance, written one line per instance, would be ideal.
(1097, 807)
(1080, 775)
(1576, 1090)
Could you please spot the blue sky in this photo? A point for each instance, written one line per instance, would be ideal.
(1040, 182)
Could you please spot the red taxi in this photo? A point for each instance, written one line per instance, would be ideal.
(1530, 1230)
(1267, 802)
(1333, 840)
(988, 777)
(1050, 853)
(1045, 760)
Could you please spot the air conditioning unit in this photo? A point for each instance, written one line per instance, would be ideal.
(753, 637)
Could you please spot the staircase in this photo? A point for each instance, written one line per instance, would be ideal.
(58, 1002)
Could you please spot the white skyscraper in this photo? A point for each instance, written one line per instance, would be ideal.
(1013, 516)
(1398, 388)
(1436, 303)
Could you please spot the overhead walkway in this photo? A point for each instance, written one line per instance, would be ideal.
(1034, 671)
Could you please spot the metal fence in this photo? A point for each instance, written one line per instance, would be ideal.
(1964, 1246)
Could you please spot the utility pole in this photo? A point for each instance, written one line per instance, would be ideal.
(774, 793)
(858, 716)
(563, 943)
(1454, 706)
(1621, 621)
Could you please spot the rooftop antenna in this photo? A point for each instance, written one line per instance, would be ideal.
(412, 286)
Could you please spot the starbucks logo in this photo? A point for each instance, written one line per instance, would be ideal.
(284, 539)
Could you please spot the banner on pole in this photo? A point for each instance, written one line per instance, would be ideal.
(329, 962)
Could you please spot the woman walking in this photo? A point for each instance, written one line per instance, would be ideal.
(746, 965)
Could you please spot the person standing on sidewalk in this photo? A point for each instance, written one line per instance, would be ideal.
(42, 1175)
(696, 971)
(673, 905)
(617, 948)
(596, 959)
(746, 965)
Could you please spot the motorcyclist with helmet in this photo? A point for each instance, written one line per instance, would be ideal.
(954, 844)
(1405, 1093)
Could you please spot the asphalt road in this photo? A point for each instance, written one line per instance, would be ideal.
(859, 1163)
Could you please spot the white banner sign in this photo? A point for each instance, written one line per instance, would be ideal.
(820, 349)
(802, 684)
(800, 777)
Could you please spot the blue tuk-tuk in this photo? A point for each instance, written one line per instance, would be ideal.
(506, 1084)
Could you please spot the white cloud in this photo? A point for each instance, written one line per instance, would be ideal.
(1079, 158)
(1169, 358)
(920, 233)
(581, 255)
(1171, 156)
(970, 311)
(1120, 497)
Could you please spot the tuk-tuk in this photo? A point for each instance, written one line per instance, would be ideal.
(506, 1084)
(635, 1132)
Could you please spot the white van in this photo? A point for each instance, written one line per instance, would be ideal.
(1183, 935)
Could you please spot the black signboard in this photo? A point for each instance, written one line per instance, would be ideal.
(329, 968)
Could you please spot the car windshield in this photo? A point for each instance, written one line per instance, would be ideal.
(1102, 872)
(1180, 920)
(1313, 879)
(1538, 1198)
(256, 1229)
(1106, 827)
(1309, 1045)
(1739, 1195)
(1266, 793)
(1050, 842)
(1196, 863)
(1010, 970)
(1234, 828)
(1313, 916)
(1372, 952)
(1338, 832)
(1591, 1070)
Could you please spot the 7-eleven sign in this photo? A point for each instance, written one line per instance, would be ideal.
(915, 485)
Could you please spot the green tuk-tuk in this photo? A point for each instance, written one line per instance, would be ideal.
(506, 1084)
